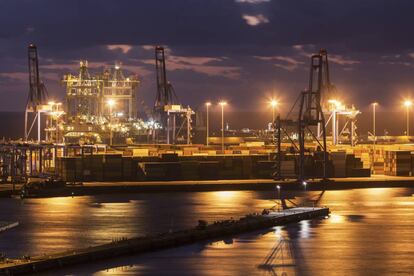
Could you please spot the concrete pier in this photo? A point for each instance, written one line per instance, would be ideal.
(131, 246)
(93, 188)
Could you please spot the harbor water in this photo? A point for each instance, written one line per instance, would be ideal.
(370, 232)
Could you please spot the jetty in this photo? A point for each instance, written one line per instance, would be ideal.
(128, 246)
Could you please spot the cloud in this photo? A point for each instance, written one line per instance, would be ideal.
(308, 50)
(338, 59)
(252, 1)
(123, 47)
(304, 50)
(16, 76)
(254, 20)
(204, 65)
(288, 63)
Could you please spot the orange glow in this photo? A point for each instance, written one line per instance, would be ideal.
(274, 103)
(408, 103)
(111, 102)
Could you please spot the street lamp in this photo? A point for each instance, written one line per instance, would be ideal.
(222, 104)
(111, 104)
(208, 104)
(374, 105)
(278, 195)
(407, 105)
(273, 104)
(278, 191)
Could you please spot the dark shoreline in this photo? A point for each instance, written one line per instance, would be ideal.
(95, 188)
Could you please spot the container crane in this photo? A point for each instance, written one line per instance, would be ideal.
(165, 91)
(166, 108)
(310, 116)
(37, 94)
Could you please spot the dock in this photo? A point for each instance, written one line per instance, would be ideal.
(203, 232)
(94, 188)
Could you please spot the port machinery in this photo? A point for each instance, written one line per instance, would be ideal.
(310, 128)
(37, 98)
(310, 124)
(172, 116)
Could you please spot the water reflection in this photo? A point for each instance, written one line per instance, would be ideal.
(335, 218)
(369, 232)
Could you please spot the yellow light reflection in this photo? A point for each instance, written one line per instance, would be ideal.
(377, 191)
(278, 232)
(304, 229)
(335, 218)
(227, 195)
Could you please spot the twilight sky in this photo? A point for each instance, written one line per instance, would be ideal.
(239, 50)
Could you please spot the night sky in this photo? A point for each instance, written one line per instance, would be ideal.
(242, 51)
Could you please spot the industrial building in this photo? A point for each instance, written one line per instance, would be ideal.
(99, 104)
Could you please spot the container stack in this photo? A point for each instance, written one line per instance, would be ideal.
(288, 168)
(397, 163)
(339, 163)
(112, 167)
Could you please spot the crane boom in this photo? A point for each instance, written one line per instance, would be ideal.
(37, 92)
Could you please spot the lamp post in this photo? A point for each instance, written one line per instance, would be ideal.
(208, 104)
(273, 104)
(407, 105)
(278, 195)
(374, 105)
(222, 104)
(110, 103)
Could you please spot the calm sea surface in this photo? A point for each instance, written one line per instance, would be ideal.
(370, 232)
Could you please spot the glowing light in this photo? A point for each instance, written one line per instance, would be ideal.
(226, 195)
(273, 103)
(111, 102)
(208, 103)
(304, 229)
(222, 103)
(408, 103)
(278, 187)
(334, 218)
(335, 103)
(374, 103)
(278, 232)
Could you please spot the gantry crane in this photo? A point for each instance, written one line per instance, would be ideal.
(310, 118)
(311, 114)
(166, 108)
(37, 94)
(165, 91)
